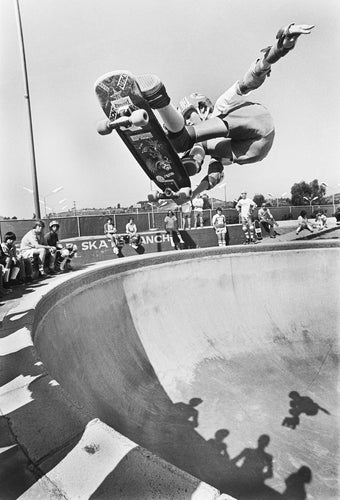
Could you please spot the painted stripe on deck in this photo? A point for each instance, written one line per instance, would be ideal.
(83, 470)
(16, 393)
(15, 342)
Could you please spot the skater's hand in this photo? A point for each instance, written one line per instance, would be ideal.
(299, 29)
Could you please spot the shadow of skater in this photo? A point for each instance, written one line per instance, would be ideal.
(218, 444)
(295, 484)
(188, 412)
(298, 405)
(257, 464)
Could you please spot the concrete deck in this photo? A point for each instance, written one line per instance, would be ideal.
(106, 369)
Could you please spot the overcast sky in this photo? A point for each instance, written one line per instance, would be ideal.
(193, 45)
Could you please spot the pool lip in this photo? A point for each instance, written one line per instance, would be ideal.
(34, 306)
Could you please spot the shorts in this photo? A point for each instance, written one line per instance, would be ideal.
(251, 132)
(29, 253)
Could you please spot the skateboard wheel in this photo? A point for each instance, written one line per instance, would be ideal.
(139, 118)
(168, 192)
(103, 127)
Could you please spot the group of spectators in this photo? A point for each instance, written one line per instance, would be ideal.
(117, 240)
(39, 254)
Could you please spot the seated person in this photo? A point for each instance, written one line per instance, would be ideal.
(32, 247)
(10, 260)
(63, 255)
(267, 220)
(111, 232)
(303, 222)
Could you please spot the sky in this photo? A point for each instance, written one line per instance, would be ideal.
(193, 45)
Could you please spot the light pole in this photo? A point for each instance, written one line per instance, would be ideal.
(276, 197)
(54, 191)
(310, 201)
(35, 190)
(43, 201)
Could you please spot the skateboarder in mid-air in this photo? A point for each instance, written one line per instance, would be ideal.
(235, 130)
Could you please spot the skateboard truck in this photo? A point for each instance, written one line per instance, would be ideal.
(183, 195)
(138, 118)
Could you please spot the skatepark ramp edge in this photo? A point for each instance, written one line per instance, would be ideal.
(96, 339)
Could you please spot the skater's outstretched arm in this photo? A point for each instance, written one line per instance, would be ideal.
(285, 41)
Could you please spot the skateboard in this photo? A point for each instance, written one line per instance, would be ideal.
(136, 124)
(258, 230)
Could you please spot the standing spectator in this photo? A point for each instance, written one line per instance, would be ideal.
(186, 214)
(63, 255)
(245, 207)
(10, 260)
(267, 220)
(303, 222)
(170, 226)
(32, 247)
(111, 232)
(198, 203)
(220, 225)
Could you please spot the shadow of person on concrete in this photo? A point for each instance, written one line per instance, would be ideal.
(187, 239)
(256, 466)
(296, 484)
(301, 405)
(187, 411)
(218, 443)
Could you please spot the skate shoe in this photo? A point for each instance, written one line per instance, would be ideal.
(153, 90)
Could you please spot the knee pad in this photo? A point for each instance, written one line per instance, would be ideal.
(183, 140)
(244, 228)
(215, 173)
(213, 178)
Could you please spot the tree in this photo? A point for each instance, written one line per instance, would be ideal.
(259, 199)
(301, 189)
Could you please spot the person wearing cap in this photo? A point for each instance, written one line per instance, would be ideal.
(245, 207)
(63, 256)
(32, 246)
(267, 220)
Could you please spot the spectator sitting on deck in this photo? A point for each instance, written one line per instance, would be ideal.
(10, 260)
(303, 222)
(267, 220)
(111, 232)
(320, 221)
(63, 255)
(32, 247)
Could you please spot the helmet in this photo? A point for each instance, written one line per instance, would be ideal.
(196, 102)
(54, 223)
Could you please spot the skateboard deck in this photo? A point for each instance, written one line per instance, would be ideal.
(258, 230)
(135, 122)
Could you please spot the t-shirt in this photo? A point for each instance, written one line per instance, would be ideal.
(245, 206)
(170, 222)
(219, 220)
